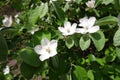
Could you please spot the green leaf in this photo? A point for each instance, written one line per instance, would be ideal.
(91, 57)
(106, 2)
(118, 19)
(38, 12)
(27, 71)
(118, 52)
(80, 73)
(98, 39)
(84, 42)
(60, 13)
(3, 48)
(90, 74)
(69, 42)
(117, 4)
(30, 57)
(116, 39)
(107, 20)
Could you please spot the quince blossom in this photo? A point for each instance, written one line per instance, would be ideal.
(87, 25)
(68, 29)
(6, 70)
(47, 49)
(7, 21)
(91, 4)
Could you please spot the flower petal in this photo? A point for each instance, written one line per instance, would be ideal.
(83, 22)
(54, 44)
(44, 42)
(91, 21)
(81, 30)
(7, 21)
(38, 49)
(67, 25)
(44, 56)
(61, 29)
(94, 29)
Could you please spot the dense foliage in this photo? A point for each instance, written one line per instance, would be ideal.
(59, 40)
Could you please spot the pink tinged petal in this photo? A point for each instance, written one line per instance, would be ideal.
(91, 21)
(67, 25)
(44, 42)
(94, 29)
(38, 49)
(81, 30)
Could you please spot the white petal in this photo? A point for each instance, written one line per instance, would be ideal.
(67, 25)
(81, 30)
(91, 4)
(53, 53)
(91, 21)
(94, 29)
(7, 21)
(61, 29)
(44, 42)
(84, 19)
(54, 43)
(83, 22)
(44, 56)
(6, 70)
(38, 49)
(74, 26)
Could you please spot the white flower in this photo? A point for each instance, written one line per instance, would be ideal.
(7, 21)
(6, 70)
(52, 1)
(47, 49)
(91, 4)
(87, 25)
(68, 29)
(16, 18)
(68, 0)
(34, 30)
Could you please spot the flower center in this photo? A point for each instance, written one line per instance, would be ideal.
(48, 50)
(68, 30)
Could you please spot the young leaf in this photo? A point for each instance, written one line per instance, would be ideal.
(3, 48)
(107, 20)
(98, 39)
(116, 39)
(80, 73)
(38, 12)
(84, 42)
(91, 57)
(69, 42)
(90, 74)
(30, 57)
